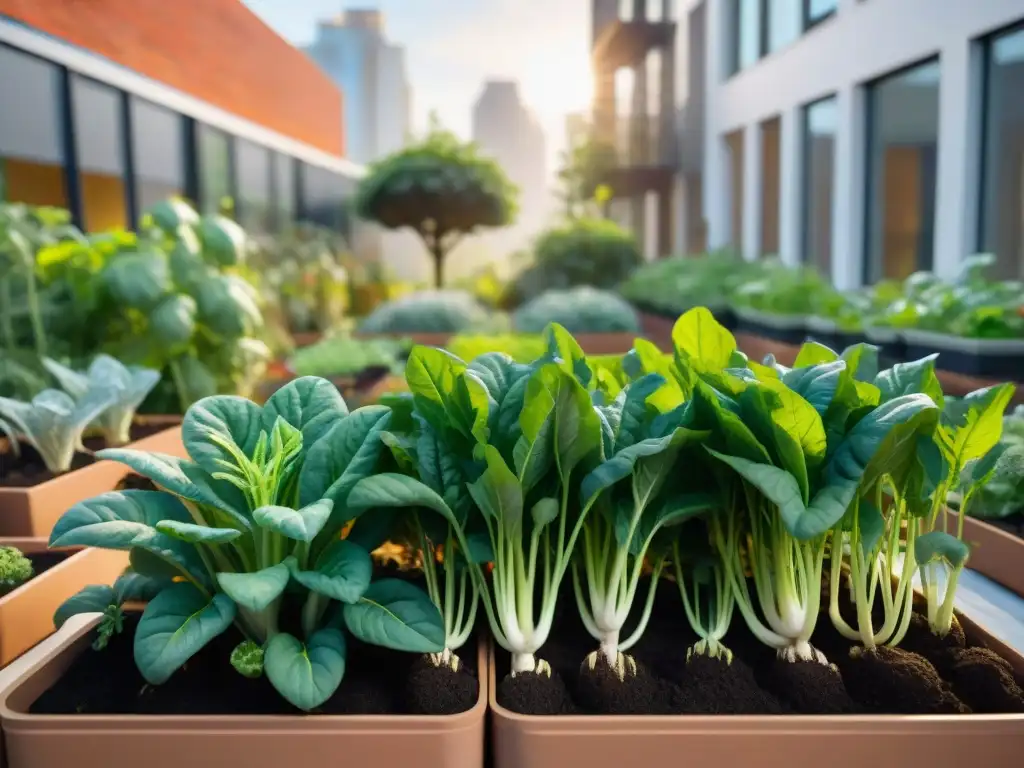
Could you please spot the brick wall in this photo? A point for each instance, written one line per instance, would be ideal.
(215, 50)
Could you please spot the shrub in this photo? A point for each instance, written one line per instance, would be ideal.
(428, 312)
(580, 310)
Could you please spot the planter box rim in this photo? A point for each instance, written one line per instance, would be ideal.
(772, 320)
(17, 721)
(795, 725)
(965, 343)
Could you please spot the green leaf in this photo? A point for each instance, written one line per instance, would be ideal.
(432, 375)
(399, 615)
(970, 427)
(703, 341)
(95, 598)
(498, 494)
(137, 280)
(915, 377)
(215, 421)
(175, 626)
(940, 546)
(197, 534)
(342, 572)
(634, 412)
(344, 456)
(862, 361)
(977, 472)
(817, 384)
(306, 675)
(372, 531)
(544, 512)
(257, 590)
(812, 354)
(310, 404)
(391, 490)
(115, 520)
(163, 469)
(552, 393)
(297, 524)
(440, 468)
(173, 322)
(567, 354)
(871, 524)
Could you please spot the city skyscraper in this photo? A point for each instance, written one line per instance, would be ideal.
(371, 73)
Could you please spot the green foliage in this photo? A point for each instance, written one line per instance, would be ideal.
(522, 347)
(343, 355)
(441, 188)
(581, 252)
(428, 312)
(1003, 493)
(15, 569)
(579, 310)
(248, 533)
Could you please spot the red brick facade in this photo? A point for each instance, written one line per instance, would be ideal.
(215, 50)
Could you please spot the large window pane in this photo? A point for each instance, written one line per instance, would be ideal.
(770, 181)
(158, 153)
(31, 155)
(903, 135)
(817, 10)
(284, 191)
(819, 147)
(215, 186)
(1002, 213)
(326, 198)
(746, 28)
(99, 143)
(253, 198)
(784, 22)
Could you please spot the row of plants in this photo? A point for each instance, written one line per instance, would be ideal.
(976, 322)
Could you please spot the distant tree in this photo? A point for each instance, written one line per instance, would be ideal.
(441, 188)
(581, 175)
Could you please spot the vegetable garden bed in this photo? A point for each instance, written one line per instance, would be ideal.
(591, 343)
(212, 715)
(32, 498)
(26, 611)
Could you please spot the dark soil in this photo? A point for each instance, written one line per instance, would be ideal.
(28, 470)
(939, 651)
(136, 482)
(897, 681)
(985, 681)
(377, 681)
(756, 682)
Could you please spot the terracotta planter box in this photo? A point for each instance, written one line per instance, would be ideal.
(26, 614)
(268, 741)
(32, 512)
(995, 553)
(778, 741)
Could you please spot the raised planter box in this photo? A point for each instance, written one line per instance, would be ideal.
(592, 343)
(777, 741)
(32, 511)
(825, 331)
(891, 346)
(789, 329)
(26, 614)
(995, 553)
(268, 741)
(988, 358)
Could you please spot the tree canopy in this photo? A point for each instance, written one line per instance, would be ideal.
(442, 188)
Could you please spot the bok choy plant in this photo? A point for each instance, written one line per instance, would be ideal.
(250, 529)
(130, 384)
(53, 423)
(633, 498)
(525, 435)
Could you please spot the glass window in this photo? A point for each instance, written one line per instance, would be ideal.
(734, 149)
(903, 135)
(817, 10)
(31, 152)
(770, 180)
(215, 187)
(284, 191)
(1002, 198)
(158, 153)
(746, 33)
(252, 164)
(100, 146)
(784, 22)
(819, 147)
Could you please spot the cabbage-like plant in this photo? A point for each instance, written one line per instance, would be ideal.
(580, 310)
(130, 384)
(53, 422)
(15, 569)
(428, 312)
(250, 529)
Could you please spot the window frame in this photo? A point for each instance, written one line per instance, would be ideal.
(805, 173)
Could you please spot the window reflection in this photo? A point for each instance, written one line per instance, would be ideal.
(100, 146)
(158, 153)
(1002, 212)
(284, 191)
(819, 141)
(746, 33)
(31, 156)
(215, 187)
(817, 10)
(903, 134)
(253, 199)
(784, 22)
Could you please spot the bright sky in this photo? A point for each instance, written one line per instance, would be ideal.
(454, 45)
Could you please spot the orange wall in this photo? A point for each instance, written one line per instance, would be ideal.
(215, 50)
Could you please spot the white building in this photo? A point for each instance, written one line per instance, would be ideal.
(371, 73)
(868, 137)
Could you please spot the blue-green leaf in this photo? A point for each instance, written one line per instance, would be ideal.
(308, 674)
(938, 545)
(914, 377)
(298, 524)
(342, 572)
(163, 469)
(817, 384)
(310, 404)
(498, 494)
(114, 520)
(197, 534)
(342, 457)
(391, 490)
(399, 615)
(218, 420)
(95, 598)
(175, 626)
(256, 590)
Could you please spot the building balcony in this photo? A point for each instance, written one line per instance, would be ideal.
(625, 43)
(645, 156)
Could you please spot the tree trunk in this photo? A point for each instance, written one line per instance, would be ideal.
(437, 251)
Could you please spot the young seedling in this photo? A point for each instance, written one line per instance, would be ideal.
(15, 569)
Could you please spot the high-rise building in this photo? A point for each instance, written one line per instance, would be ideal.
(352, 49)
(506, 129)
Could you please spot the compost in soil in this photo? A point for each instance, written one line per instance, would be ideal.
(756, 682)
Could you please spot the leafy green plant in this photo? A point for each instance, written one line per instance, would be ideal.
(441, 188)
(130, 386)
(521, 347)
(1003, 495)
(249, 529)
(579, 310)
(342, 355)
(53, 422)
(15, 569)
(680, 283)
(428, 312)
